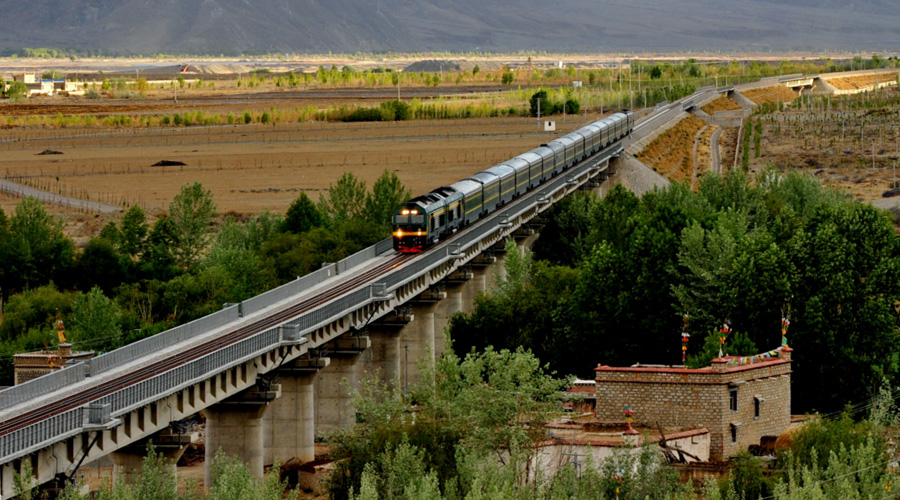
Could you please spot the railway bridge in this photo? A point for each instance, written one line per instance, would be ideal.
(273, 371)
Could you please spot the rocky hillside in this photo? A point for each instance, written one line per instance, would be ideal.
(320, 26)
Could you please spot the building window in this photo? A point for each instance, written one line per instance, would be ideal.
(732, 399)
(734, 429)
(757, 401)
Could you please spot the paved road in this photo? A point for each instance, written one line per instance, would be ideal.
(21, 191)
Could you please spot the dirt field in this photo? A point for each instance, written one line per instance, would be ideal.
(256, 167)
(851, 143)
(723, 103)
(858, 82)
(777, 93)
(672, 153)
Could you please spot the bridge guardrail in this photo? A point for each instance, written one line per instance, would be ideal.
(42, 385)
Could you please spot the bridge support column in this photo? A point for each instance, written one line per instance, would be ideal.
(384, 356)
(127, 461)
(417, 339)
(334, 383)
(445, 311)
(235, 427)
(289, 427)
(475, 286)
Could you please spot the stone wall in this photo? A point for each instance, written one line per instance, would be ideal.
(691, 398)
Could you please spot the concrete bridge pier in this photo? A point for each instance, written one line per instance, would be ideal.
(289, 427)
(444, 313)
(334, 383)
(128, 461)
(479, 267)
(417, 339)
(385, 356)
(235, 426)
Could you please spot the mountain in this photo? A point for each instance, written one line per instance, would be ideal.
(347, 26)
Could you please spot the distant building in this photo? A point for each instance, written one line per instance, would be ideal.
(31, 365)
(742, 401)
(48, 86)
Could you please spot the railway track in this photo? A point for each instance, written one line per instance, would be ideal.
(198, 351)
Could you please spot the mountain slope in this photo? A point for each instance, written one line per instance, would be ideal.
(320, 26)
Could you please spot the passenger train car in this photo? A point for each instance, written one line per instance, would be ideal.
(425, 220)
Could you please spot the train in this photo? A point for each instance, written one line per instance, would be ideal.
(425, 220)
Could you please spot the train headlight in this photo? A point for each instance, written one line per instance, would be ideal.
(404, 212)
(399, 233)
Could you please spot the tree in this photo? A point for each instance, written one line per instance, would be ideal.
(16, 91)
(301, 216)
(345, 200)
(191, 213)
(134, 231)
(453, 429)
(96, 321)
(102, 266)
(34, 309)
(158, 260)
(538, 101)
(4, 252)
(388, 193)
(38, 251)
(232, 480)
(240, 267)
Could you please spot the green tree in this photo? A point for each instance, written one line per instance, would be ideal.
(302, 216)
(191, 211)
(101, 265)
(38, 252)
(388, 193)
(232, 480)
(539, 101)
(158, 260)
(16, 91)
(345, 200)
(134, 231)
(34, 309)
(96, 321)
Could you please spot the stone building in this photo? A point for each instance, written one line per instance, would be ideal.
(743, 401)
(31, 365)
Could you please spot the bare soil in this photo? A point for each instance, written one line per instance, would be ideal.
(862, 81)
(723, 103)
(776, 93)
(249, 168)
(853, 148)
(671, 154)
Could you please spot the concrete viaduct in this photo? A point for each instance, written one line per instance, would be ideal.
(273, 371)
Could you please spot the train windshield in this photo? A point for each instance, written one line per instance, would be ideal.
(410, 222)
